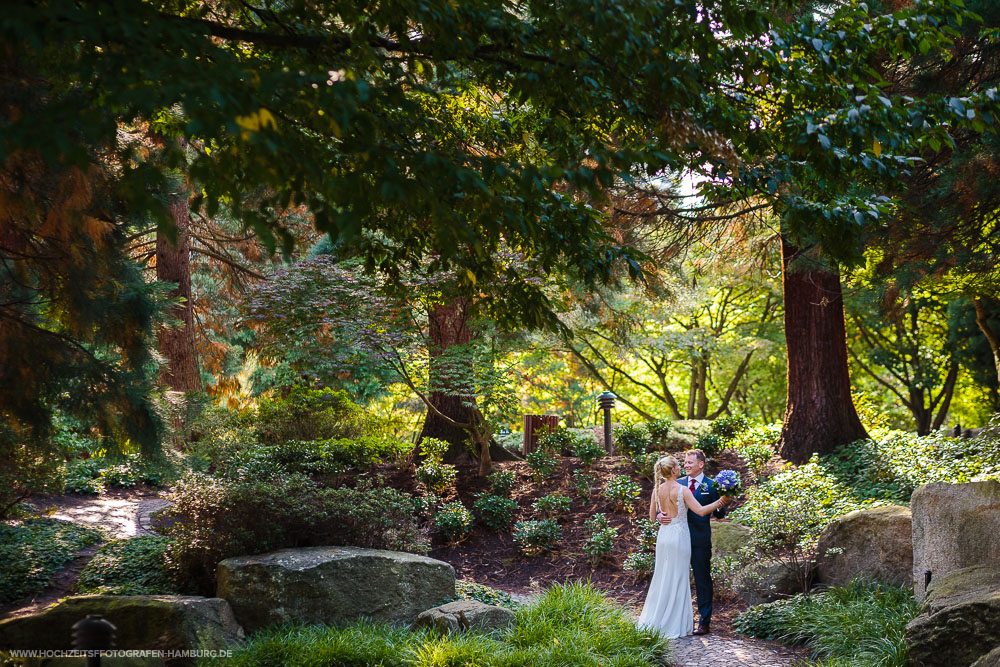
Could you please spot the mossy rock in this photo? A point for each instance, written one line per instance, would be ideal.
(157, 622)
(991, 659)
(872, 543)
(959, 622)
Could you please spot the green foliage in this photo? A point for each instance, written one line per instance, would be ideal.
(435, 475)
(648, 531)
(560, 441)
(756, 455)
(601, 539)
(631, 439)
(128, 567)
(95, 474)
(659, 432)
(640, 563)
(730, 427)
(859, 624)
(308, 414)
(218, 518)
(552, 506)
(571, 624)
(433, 472)
(711, 443)
(644, 464)
(622, 492)
(587, 449)
(494, 512)
(454, 521)
(501, 482)
(318, 457)
(535, 537)
(470, 590)
(542, 464)
(583, 482)
(32, 551)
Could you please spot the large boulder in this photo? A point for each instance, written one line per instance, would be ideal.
(329, 585)
(728, 538)
(155, 622)
(875, 543)
(991, 659)
(954, 526)
(465, 615)
(959, 621)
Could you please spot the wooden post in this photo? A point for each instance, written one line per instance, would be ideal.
(536, 426)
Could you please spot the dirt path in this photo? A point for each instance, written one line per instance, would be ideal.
(714, 650)
(123, 514)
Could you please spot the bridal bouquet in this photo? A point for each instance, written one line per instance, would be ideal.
(728, 482)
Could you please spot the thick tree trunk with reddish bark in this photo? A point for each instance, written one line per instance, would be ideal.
(991, 337)
(176, 343)
(449, 326)
(819, 412)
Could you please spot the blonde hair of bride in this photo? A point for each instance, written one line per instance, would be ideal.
(664, 463)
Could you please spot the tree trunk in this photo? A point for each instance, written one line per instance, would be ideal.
(991, 337)
(176, 341)
(449, 325)
(819, 413)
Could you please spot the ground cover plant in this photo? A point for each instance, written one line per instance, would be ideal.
(128, 567)
(571, 624)
(31, 551)
(859, 624)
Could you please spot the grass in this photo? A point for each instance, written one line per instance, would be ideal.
(860, 624)
(571, 624)
(32, 551)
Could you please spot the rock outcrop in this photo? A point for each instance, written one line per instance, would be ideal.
(954, 526)
(155, 622)
(766, 582)
(728, 538)
(959, 622)
(991, 659)
(875, 543)
(329, 585)
(465, 615)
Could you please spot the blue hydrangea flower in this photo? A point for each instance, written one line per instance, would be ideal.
(728, 482)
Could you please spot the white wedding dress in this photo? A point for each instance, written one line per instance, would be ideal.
(668, 603)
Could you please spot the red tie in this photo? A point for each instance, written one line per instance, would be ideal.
(693, 482)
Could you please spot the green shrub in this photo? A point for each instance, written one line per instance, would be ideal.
(32, 551)
(861, 624)
(587, 450)
(552, 506)
(648, 532)
(454, 521)
(560, 441)
(710, 443)
(756, 455)
(427, 505)
(318, 457)
(128, 567)
(469, 590)
(571, 624)
(434, 448)
(622, 492)
(308, 414)
(83, 476)
(601, 539)
(501, 482)
(643, 464)
(729, 427)
(631, 439)
(494, 512)
(535, 537)
(810, 485)
(216, 518)
(659, 432)
(542, 464)
(97, 473)
(640, 563)
(435, 475)
(583, 483)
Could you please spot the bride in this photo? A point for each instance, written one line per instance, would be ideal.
(667, 608)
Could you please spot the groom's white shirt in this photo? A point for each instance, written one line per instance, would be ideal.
(698, 480)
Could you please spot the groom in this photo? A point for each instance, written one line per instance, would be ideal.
(705, 492)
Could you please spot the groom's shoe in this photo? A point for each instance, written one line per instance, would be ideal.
(703, 629)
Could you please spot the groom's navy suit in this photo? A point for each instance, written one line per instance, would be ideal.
(701, 546)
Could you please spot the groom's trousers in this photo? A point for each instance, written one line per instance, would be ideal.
(701, 567)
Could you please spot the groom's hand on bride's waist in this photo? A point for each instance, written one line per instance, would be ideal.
(663, 518)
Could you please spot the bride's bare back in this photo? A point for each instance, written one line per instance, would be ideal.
(667, 497)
